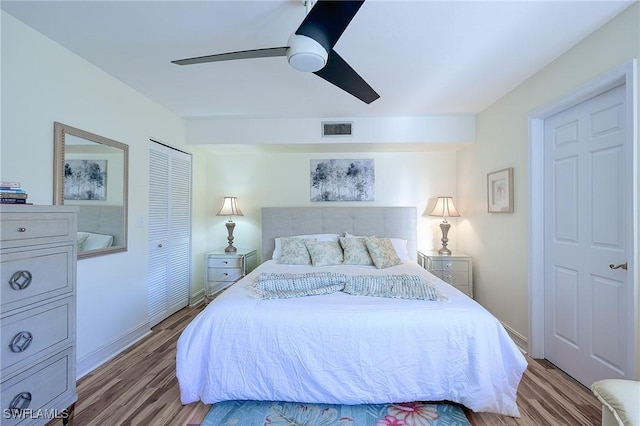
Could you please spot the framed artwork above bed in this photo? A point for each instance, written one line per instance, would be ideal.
(342, 180)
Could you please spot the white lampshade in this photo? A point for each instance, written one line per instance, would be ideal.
(230, 207)
(444, 208)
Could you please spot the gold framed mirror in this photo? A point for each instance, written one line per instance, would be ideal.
(92, 172)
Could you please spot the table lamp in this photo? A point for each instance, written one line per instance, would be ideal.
(445, 208)
(230, 208)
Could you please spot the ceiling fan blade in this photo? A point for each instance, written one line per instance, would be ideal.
(339, 73)
(327, 20)
(244, 54)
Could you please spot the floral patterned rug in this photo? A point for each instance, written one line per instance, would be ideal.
(259, 413)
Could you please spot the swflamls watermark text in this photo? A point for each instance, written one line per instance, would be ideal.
(27, 413)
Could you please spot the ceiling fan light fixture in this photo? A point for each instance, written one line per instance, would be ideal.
(305, 54)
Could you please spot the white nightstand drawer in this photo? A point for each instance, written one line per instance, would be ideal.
(455, 265)
(454, 269)
(224, 262)
(29, 334)
(223, 274)
(43, 386)
(30, 276)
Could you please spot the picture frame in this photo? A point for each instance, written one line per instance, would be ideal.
(85, 180)
(342, 180)
(500, 191)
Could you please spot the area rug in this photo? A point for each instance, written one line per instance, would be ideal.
(259, 413)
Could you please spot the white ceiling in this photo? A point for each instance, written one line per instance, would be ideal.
(422, 57)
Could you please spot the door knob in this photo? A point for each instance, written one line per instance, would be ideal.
(622, 265)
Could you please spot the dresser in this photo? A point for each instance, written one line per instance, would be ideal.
(223, 269)
(37, 313)
(455, 269)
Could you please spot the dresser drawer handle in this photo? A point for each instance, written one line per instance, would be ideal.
(20, 342)
(22, 229)
(20, 280)
(449, 278)
(226, 274)
(225, 262)
(21, 401)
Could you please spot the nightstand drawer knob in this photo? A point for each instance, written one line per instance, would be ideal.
(21, 401)
(20, 342)
(449, 278)
(22, 229)
(20, 280)
(225, 262)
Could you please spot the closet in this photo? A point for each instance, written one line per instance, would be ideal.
(169, 222)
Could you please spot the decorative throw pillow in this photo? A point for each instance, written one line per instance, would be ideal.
(320, 237)
(355, 251)
(382, 252)
(399, 245)
(81, 239)
(324, 253)
(294, 252)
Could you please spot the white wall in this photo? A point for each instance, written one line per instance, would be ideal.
(267, 179)
(499, 242)
(42, 82)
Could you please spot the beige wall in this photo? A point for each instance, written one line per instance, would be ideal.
(266, 179)
(43, 82)
(499, 242)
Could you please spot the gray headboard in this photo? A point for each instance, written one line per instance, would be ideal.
(399, 222)
(102, 220)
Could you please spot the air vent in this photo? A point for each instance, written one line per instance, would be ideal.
(336, 129)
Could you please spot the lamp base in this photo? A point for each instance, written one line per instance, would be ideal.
(444, 251)
(230, 248)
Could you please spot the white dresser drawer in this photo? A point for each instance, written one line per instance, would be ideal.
(36, 228)
(48, 385)
(31, 333)
(31, 276)
(224, 274)
(224, 262)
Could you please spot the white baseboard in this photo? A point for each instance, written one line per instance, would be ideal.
(520, 341)
(196, 298)
(95, 359)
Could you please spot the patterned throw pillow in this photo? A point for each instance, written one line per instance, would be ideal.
(355, 251)
(324, 253)
(294, 252)
(382, 252)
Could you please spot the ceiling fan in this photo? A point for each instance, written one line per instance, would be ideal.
(310, 48)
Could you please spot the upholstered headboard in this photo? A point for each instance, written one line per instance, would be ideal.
(106, 220)
(399, 222)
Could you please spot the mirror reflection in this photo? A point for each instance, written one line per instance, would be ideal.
(91, 173)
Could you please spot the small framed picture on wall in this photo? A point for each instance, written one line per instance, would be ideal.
(500, 191)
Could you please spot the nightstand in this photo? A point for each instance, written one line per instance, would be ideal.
(223, 269)
(454, 269)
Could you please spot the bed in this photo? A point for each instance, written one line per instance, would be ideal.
(341, 347)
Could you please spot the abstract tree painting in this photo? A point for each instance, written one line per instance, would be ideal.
(85, 180)
(342, 180)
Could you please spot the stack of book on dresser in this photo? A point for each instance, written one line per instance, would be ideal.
(12, 193)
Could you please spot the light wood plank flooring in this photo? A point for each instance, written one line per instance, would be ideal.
(139, 387)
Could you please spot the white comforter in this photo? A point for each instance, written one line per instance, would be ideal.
(343, 349)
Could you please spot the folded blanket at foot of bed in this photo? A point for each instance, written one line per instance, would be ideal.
(282, 285)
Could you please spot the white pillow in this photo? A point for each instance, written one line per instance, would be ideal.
(277, 252)
(399, 245)
(97, 241)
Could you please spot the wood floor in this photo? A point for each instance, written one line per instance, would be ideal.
(139, 387)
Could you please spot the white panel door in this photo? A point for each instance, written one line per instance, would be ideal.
(169, 241)
(588, 214)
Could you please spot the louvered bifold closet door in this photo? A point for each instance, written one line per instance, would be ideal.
(169, 273)
(179, 232)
